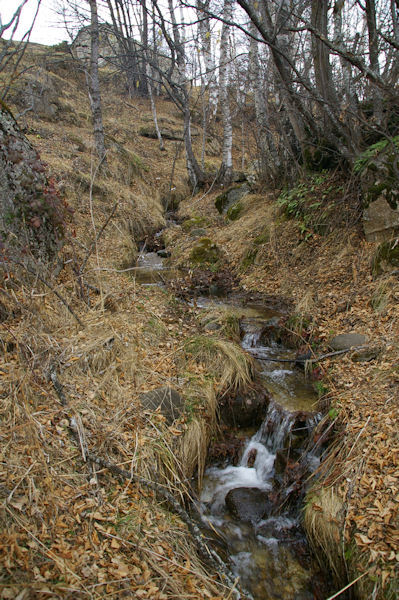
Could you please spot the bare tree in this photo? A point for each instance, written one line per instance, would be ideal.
(11, 53)
(94, 84)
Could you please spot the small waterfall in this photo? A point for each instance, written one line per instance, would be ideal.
(254, 505)
(252, 332)
(275, 428)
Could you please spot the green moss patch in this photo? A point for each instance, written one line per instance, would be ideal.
(205, 252)
(235, 211)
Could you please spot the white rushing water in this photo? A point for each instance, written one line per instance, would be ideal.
(265, 552)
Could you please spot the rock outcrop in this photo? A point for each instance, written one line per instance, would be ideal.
(32, 214)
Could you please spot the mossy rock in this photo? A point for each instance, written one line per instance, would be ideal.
(230, 197)
(221, 202)
(234, 212)
(386, 257)
(194, 223)
(249, 259)
(377, 167)
(205, 251)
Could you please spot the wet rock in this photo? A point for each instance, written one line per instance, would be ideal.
(343, 341)
(246, 408)
(168, 400)
(282, 528)
(280, 463)
(248, 504)
(163, 253)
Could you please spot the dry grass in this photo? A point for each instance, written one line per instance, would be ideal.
(226, 320)
(227, 361)
(68, 527)
(323, 513)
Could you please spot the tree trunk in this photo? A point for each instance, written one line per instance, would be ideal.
(270, 162)
(94, 84)
(373, 53)
(204, 27)
(227, 157)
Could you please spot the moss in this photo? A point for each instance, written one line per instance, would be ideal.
(249, 259)
(263, 238)
(387, 255)
(234, 212)
(378, 170)
(220, 202)
(205, 251)
(194, 223)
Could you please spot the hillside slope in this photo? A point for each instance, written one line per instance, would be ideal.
(74, 528)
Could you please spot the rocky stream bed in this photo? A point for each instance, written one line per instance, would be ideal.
(250, 503)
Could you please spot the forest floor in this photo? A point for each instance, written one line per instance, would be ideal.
(71, 528)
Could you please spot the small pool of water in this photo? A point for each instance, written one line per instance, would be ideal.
(150, 269)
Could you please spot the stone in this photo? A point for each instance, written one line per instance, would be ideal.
(205, 251)
(282, 528)
(248, 504)
(212, 326)
(224, 201)
(380, 221)
(163, 253)
(247, 408)
(167, 400)
(198, 232)
(343, 341)
(386, 257)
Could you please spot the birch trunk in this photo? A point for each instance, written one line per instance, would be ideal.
(94, 84)
(204, 28)
(148, 76)
(227, 157)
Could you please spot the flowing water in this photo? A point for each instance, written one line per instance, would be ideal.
(150, 269)
(251, 510)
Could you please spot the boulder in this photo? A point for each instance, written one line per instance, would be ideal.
(344, 341)
(32, 213)
(246, 408)
(248, 504)
(386, 257)
(224, 201)
(167, 400)
(380, 221)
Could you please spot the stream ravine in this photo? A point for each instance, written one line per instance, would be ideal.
(251, 508)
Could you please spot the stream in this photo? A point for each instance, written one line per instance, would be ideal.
(251, 508)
